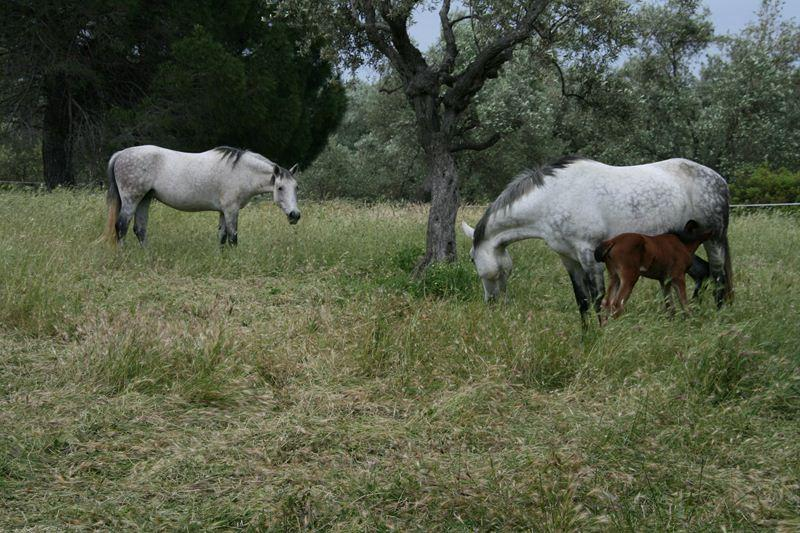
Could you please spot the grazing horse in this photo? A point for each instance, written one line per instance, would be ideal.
(575, 204)
(223, 179)
(666, 258)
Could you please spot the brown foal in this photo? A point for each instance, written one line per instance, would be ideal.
(665, 257)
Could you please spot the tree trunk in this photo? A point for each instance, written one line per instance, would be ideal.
(443, 177)
(57, 133)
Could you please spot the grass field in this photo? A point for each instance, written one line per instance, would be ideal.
(304, 380)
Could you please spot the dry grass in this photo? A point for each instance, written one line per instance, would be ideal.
(304, 381)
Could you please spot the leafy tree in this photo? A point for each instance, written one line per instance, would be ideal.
(750, 96)
(374, 154)
(189, 74)
(441, 89)
(56, 58)
(257, 90)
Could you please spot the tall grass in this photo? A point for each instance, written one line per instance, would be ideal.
(306, 380)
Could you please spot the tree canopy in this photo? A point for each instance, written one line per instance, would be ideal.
(676, 90)
(98, 75)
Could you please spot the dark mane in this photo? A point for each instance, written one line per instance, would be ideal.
(520, 186)
(229, 153)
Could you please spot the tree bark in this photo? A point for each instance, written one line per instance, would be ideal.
(57, 133)
(443, 177)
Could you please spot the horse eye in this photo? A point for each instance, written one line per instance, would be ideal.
(280, 188)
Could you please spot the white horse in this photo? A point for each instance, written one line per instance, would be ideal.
(223, 179)
(574, 204)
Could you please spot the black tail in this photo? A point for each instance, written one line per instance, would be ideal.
(601, 252)
(728, 289)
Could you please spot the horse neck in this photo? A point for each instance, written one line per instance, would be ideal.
(256, 175)
(514, 223)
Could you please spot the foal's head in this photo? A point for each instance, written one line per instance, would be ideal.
(693, 235)
(285, 192)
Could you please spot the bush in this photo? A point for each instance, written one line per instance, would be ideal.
(763, 185)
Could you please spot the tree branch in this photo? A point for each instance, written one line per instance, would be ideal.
(564, 92)
(373, 28)
(450, 47)
(476, 145)
(488, 62)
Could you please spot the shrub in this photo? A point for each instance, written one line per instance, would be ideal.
(763, 185)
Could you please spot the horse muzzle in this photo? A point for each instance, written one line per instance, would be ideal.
(294, 217)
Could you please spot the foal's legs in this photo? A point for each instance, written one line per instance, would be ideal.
(222, 232)
(679, 283)
(628, 281)
(611, 293)
(140, 220)
(666, 291)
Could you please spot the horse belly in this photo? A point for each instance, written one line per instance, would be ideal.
(193, 189)
(187, 195)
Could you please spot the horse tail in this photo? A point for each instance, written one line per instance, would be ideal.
(114, 203)
(601, 252)
(728, 289)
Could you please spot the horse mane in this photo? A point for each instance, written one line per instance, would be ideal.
(229, 153)
(519, 186)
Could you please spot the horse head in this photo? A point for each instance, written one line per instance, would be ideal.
(493, 263)
(285, 192)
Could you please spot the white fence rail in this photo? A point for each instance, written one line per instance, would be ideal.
(788, 204)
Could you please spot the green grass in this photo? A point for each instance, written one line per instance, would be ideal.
(304, 380)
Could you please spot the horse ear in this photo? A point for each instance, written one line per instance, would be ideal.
(294, 168)
(468, 231)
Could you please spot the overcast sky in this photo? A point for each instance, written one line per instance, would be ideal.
(728, 16)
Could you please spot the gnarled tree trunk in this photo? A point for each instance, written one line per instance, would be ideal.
(443, 177)
(57, 133)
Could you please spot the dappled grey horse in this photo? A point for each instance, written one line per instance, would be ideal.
(575, 203)
(223, 179)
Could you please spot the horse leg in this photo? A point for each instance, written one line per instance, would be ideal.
(577, 277)
(628, 281)
(699, 272)
(595, 277)
(231, 224)
(680, 287)
(127, 209)
(666, 291)
(140, 220)
(222, 232)
(717, 252)
(613, 287)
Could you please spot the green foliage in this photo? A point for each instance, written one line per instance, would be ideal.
(763, 185)
(732, 111)
(374, 153)
(270, 96)
(189, 75)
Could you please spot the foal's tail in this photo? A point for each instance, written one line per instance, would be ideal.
(114, 203)
(601, 252)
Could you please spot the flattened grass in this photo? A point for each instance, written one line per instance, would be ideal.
(304, 380)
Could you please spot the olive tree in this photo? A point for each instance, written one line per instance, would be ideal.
(441, 88)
